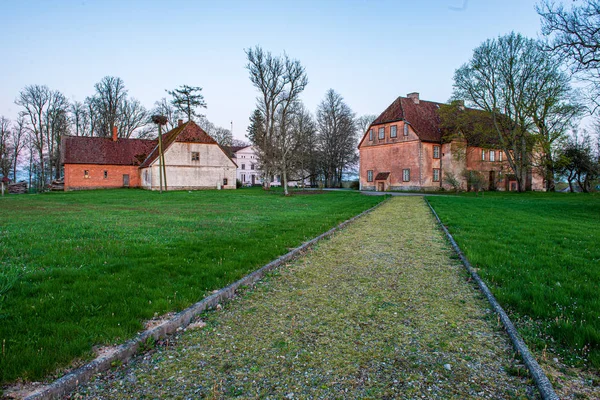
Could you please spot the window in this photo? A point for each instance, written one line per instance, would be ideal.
(243, 166)
(370, 175)
(86, 174)
(195, 156)
(381, 133)
(393, 131)
(436, 174)
(105, 174)
(371, 134)
(252, 167)
(224, 181)
(436, 151)
(492, 155)
(482, 155)
(243, 177)
(500, 156)
(406, 175)
(405, 129)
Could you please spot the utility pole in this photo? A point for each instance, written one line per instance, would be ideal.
(161, 120)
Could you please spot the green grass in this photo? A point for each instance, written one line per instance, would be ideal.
(92, 266)
(540, 255)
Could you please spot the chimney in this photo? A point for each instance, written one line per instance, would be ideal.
(414, 96)
(179, 122)
(115, 134)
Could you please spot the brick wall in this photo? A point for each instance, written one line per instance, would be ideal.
(76, 179)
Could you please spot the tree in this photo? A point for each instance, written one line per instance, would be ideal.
(511, 79)
(163, 107)
(34, 99)
(132, 117)
(186, 99)
(106, 104)
(80, 119)
(280, 81)
(574, 35)
(577, 162)
(337, 137)
(364, 122)
(17, 142)
(222, 135)
(57, 124)
(5, 151)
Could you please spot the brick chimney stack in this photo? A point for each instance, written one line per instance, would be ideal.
(179, 122)
(414, 96)
(115, 136)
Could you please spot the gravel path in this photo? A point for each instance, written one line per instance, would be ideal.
(381, 310)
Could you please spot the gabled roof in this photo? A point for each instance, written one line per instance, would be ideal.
(422, 117)
(100, 150)
(189, 132)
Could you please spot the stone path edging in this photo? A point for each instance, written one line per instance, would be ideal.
(540, 378)
(124, 352)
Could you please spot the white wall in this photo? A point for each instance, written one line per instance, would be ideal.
(183, 173)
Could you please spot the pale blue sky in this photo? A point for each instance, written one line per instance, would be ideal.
(369, 51)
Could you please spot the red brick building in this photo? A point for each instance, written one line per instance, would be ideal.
(403, 150)
(193, 160)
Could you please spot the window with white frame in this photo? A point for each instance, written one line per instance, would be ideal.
(406, 175)
(393, 131)
(381, 133)
(252, 167)
(243, 177)
(405, 129)
(371, 134)
(436, 151)
(436, 174)
(492, 155)
(243, 166)
(482, 155)
(500, 156)
(370, 175)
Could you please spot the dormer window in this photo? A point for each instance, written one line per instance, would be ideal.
(371, 134)
(393, 131)
(381, 133)
(405, 129)
(436, 151)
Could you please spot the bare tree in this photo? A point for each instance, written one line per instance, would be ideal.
(364, 122)
(80, 119)
(337, 137)
(56, 122)
(106, 104)
(574, 34)
(280, 81)
(186, 99)
(222, 135)
(18, 139)
(510, 78)
(5, 151)
(132, 117)
(34, 99)
(163, 107)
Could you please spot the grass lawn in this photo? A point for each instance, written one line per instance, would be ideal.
(94, 265)
(540, 255)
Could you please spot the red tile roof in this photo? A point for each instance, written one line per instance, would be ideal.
(422, 117)
(189, 132)
(425, 120)
(99, 150)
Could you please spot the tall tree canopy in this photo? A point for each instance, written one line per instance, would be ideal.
(187, 99)
(522, 89)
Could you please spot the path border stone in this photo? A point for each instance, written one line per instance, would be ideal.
(123, 353)
(540, 378)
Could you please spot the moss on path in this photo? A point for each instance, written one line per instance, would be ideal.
(381, 310)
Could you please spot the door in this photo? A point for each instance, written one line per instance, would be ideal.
(380, 186)
(126, 180)
(492, 185)
(253, 179)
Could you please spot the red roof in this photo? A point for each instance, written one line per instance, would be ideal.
(100, 150)
(382, 176)
(422, 117)
(189, 132)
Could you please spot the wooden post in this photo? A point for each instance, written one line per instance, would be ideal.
(160, 156)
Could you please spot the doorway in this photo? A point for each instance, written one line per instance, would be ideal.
(380, 186)
(492, 183)
(125, 180)
(253, 179)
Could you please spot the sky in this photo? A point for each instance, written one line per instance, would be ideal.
(369, 51)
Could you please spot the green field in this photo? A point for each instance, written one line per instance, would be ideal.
(540, 255)
(91, 266)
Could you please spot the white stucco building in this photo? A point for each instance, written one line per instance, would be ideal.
(193, 160)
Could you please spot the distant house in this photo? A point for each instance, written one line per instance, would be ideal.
(403, 149)
(193, 160)
(246, 159)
